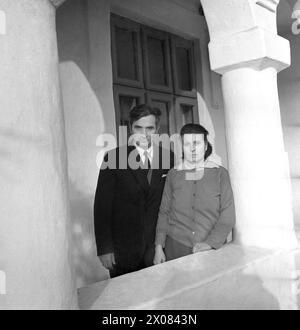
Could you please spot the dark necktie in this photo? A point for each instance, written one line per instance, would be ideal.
(149, 169)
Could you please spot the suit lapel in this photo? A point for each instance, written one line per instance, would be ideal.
(156, 178)
(138, 174)
(157, 172)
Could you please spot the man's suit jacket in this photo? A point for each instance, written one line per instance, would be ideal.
(126, 207)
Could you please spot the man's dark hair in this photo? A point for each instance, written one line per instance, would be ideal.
(197, 129)
(144, 110)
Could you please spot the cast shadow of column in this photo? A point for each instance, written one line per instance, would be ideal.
(84, 122)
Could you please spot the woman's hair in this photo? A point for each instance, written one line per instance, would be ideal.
(197, 129)
(144, 110)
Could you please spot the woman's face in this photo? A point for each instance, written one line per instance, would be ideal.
(194, 147)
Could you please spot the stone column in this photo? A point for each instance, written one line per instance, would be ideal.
(247, 51)
(34, 214)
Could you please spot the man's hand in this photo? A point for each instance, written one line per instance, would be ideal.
(108, 260)
(200, 247)
(160, 256)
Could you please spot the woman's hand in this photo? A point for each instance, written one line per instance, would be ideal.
(108, 260)
(200, 247)
(160, 256)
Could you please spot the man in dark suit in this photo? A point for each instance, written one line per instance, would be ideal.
(128, 197)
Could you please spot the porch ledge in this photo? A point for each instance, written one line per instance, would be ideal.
(233, 277)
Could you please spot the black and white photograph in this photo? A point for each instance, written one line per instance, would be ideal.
(149, 157)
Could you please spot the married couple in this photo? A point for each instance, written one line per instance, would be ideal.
(152, 214)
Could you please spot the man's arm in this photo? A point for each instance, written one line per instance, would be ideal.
(164, 210)
(103, 207)
(163, 222)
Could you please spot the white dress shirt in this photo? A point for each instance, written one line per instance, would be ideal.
(141, 152)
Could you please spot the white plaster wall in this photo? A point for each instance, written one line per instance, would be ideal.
(84, 108)
(83, 30)
(289, 94)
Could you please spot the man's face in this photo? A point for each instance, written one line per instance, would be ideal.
(194, 147)
(142, 130)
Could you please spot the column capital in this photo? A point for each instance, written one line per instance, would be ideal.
(57, 3)
(225, 18)
(243, 33)
(271, 5)
(255, 48)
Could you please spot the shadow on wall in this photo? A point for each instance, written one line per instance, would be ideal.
(87, 266)
(83, 124)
